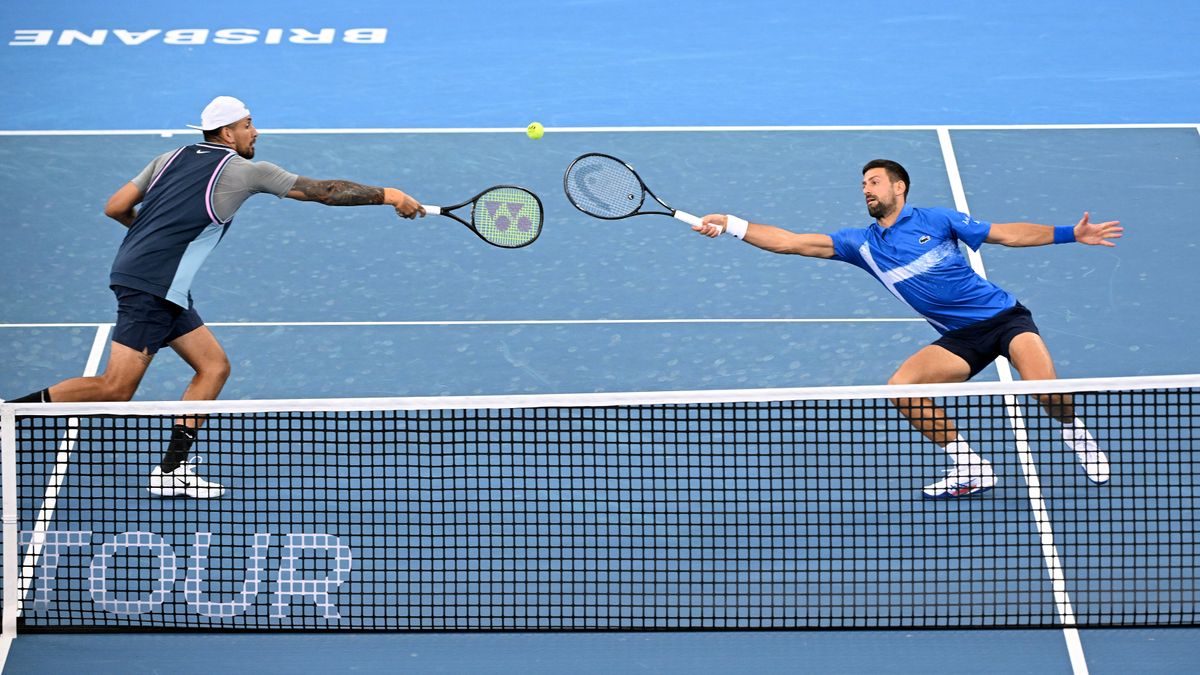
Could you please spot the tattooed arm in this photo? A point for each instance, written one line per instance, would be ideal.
(347, 193)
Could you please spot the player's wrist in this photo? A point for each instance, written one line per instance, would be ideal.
(736, 226)
(392, 196)
(1064, 234)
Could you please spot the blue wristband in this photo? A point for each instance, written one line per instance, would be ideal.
(1064, 234)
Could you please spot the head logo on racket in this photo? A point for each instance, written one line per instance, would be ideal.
(605, 187)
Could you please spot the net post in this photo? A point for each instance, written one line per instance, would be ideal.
(8, 484)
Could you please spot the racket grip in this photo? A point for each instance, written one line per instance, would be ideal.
(432, 210)
(686, 217)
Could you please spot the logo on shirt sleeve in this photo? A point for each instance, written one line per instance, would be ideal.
(924, 239)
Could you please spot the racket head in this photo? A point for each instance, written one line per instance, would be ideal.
(604, 187)
(507, 216)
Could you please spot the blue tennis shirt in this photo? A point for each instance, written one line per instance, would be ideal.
(919, 261)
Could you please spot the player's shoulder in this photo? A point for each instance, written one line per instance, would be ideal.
(937, 212)
(939, 216)
(850, 234)
(241, 164)
(847, 241)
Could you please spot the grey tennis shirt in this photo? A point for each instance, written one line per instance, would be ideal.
(238, 180)
(190, 196)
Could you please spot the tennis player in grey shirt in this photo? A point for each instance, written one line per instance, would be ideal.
(187, 199)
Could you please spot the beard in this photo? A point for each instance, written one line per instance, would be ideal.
(878, 209)
(248, 153)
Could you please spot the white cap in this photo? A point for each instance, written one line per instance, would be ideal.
(220, 111)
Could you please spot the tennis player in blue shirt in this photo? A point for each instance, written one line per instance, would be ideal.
(914, 253)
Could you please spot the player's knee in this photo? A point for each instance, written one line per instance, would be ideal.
(217, 369)
(1049, 400)
(117, 390)
(1059, 406)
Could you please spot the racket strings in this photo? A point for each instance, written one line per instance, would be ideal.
(507, 216)
(603, 187)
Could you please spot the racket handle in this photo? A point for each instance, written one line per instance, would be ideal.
(432, 210)
(686, 217)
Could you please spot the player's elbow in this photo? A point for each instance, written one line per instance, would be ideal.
(810, 249)
(809, 245)
(123, 215)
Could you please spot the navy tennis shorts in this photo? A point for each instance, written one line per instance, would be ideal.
(980, 343)
(146, 322)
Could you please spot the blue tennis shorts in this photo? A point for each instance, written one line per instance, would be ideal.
(146, 322)
(980, 343)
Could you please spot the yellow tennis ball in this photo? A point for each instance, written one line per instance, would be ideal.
(534, 130)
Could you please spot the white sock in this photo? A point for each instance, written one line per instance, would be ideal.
(961, 452)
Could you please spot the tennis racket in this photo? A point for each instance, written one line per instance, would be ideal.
(605, 187)
(505, 215)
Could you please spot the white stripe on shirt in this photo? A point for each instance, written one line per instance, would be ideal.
(892, 277)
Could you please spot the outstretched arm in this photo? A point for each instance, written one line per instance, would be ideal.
(1032, 234)
(347, 193)
(771, 238)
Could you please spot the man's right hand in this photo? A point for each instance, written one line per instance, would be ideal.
(712, 225)
(406, 206)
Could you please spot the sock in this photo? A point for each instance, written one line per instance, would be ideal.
(177, 451)
(1077, 437)
(961, 453)
(42, 396)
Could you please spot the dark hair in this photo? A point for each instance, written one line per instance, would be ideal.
(215, 134)
(894, 171)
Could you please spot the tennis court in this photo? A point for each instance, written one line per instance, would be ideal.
(317, 303)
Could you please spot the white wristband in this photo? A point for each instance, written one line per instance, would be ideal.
(736, 226)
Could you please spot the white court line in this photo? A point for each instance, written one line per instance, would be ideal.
(600, 129)
(500, 322)
(61, 464)
(1062, 600)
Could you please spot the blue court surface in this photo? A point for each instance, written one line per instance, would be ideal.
(1039, 111)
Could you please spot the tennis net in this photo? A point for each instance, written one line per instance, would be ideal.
(750, 509)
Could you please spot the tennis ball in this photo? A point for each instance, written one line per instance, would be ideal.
(534, 130)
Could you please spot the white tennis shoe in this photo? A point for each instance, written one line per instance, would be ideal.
(963, 480)
(1092, 459)
(183, 482)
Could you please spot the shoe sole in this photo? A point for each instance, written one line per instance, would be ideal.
(944, 497)
(176, 494)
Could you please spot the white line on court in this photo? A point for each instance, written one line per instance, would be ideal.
(621, 129)
(15, 593)
(1062, 600)
(62, 463)
(500, 322)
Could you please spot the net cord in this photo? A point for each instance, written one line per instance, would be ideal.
(501, 402)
